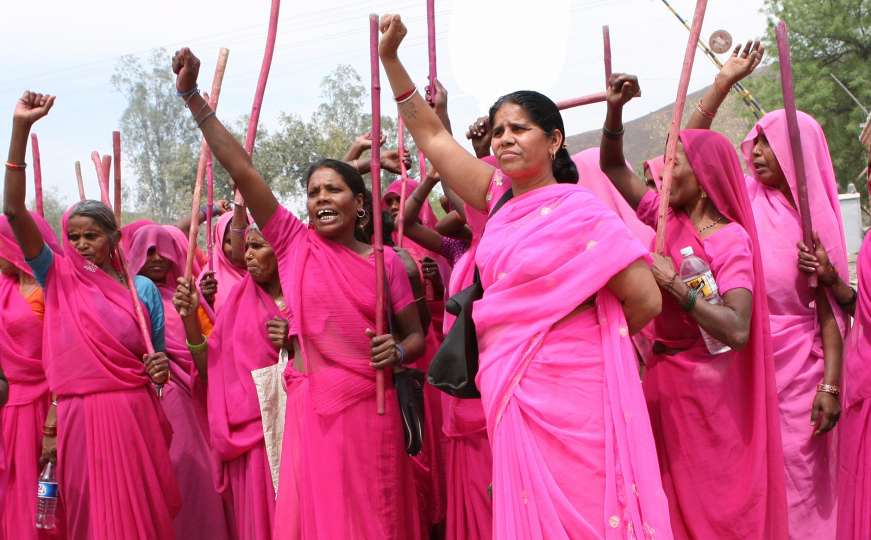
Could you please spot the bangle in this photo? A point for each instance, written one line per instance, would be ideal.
(16, 166)
(832, 389)
(204, 118)
(402, 98)
(692, 296)
(420, 299)
(852, 299)
(704, 112)
(54, 403)
(613, 134)
(239, 232)
(49, 431)
(187, 95)
(200, 347)
(400, 352)
(201, 109)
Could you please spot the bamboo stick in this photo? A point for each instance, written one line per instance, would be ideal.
(37, 173)
(116, 153)
(583, 100)
(80, 181)
(403, 190)
(606, 38)
(375, 166)
(677, 114)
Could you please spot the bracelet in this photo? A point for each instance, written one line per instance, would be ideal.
(187, 95)
(402, 98)
(832, 389)
(707, 114)
(204, 118)
(239, 232)
(420, 299)
(613, 134)
(201, 109)
(400, 352)
(200, 347)
(54, 403)
(49, 431)
(16, 166)
(852, 299)
(691, 300)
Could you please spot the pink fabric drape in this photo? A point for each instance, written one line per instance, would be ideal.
(194, 463)
(795, 330)
(344, 471)
(715, 417)
(854, 444)
(656, 166)
(573, 454)
(227, 274)
(23, 415)
(233, 407)
(113, 459)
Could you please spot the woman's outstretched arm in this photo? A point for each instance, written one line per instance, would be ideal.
(430, 135)
(258, 197)
(30, 108)
(612, 161)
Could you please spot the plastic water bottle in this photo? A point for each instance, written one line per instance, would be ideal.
(46, 493)
(696, 274)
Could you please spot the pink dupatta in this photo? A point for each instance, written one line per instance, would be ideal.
(226, 273)
(543, 255)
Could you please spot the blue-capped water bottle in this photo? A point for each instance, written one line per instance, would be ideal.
(46, 494)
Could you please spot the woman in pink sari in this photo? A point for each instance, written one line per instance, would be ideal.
(158, 252)
(344, 472)
(565, 284)
(714, 414)
(114, 472)
(217, 284)
(226, 361)
(24, 417)
(807, 324)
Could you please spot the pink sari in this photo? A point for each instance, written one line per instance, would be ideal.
(115, 475)
(854, 441)
(715, 417)
(344, 471)
(184, 400)
(23, 416)
(573, 454)
(795, 330)
(227, 274)
(234, 409)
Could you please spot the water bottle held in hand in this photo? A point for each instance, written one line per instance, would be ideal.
(696, 274)
(46, 493)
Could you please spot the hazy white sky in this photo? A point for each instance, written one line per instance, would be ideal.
(485, 49)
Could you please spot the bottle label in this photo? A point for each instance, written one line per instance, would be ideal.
(704, 283)
(47, 490)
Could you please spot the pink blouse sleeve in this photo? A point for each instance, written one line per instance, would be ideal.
(397, 280)
(283, 231)
(648, 207)
(731, 253)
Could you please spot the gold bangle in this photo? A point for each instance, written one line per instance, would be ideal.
(832, 389)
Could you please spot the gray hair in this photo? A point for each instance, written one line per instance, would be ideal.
(100, 213)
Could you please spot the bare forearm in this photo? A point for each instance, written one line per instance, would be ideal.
(612, 161)
(194, 335)
(833, 344)
(723, 322)
(710, 103)
(15, 195)
(844, 295)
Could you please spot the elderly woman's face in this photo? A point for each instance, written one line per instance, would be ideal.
(260, 259)
(89, 239)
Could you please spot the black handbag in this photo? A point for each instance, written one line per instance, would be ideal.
(455, 365)
(408, 383)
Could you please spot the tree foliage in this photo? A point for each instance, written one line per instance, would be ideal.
(826, 37)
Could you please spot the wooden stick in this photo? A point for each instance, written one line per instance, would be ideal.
(194, 230)
(98, 165)
(677, 114)
(107, 167)
(210, 198)
(583, 100)
(375, 166)
(431, 46)
(403, 190)
(37, 173)
(606, 38)
(116, 153)
(80, 181)
(788, 87)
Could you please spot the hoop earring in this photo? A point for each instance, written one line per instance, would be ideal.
(361, 213)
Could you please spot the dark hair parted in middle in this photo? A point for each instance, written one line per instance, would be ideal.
(352, 178)
(544, 113)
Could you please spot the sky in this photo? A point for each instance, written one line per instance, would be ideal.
(485, 48)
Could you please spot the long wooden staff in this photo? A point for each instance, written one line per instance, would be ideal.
(375, 166)
(598, 97)
(210, 204)
(37, 173)
(606, 39)
(677, 114)
(431, 46)
(254, 119)
(116, 153)
(79, 181)
(103, 178)
(194, 230)
(788, 87)
(403, 190)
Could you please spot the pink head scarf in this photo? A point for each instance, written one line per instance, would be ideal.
(822, 186)
(92, 341)
(129, 230)
(592, 178)
(226, 273)
(20, 328)
(427, 216)
(656, 166)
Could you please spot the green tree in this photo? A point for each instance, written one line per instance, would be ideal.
(826, 37)
(159, 136)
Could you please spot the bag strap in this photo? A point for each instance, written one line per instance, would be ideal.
(507, 196)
